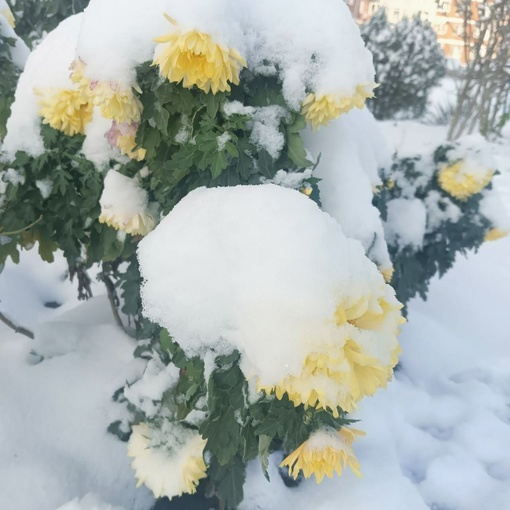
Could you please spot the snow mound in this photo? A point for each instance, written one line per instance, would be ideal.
(260, 269)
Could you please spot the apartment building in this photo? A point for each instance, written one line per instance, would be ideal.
(442, 15)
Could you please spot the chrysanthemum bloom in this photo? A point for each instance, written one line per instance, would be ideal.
(116, 101)
(196, 59)
(7, 14)
(168, 459)
(325, 452)
(123, 136)
(320, 110)
(341, 375)
(64, 109)
(463, 179)
(495, 234)
(124, 205)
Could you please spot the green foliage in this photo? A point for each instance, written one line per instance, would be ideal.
(408, 62)
(35, 18)
(53, 201)
(190, 142)
(238, 425)
(8, 79)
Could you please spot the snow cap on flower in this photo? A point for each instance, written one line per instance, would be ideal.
(124, 205)
(195, 58)
(65, 110)
(463, 179)
(469, 169)
(310, 314)
(168, 458)
(325, 452)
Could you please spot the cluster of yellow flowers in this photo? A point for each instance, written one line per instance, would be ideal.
(460, 183)
(341, 375)
(336, 376)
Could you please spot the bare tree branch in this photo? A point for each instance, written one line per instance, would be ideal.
(15, 327)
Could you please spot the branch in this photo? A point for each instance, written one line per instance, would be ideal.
(15, 232)
(114, 300)
(17, 329)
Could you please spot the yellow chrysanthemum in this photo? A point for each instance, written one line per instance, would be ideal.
(340, 376)
(196, 59)
(495, 234)
(117, 102)
(169, 461)
(126, 144)
(320, 110)
(325, 452)
(7, 14)
(138, 224)
(65, 110)
(460, 183)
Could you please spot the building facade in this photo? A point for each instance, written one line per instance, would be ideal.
(442, 15)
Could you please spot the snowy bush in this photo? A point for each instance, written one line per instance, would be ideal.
(265, 320)
(408, 63)
(437, 206)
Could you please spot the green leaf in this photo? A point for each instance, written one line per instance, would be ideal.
(296, 150)
(161, 117)
(264, 451)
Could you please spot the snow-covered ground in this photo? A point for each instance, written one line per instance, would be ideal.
(438, 438)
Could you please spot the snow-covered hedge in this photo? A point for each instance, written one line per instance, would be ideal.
(438, 205)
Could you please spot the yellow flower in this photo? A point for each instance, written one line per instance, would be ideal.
(320, 110)
(124, 205)
(137, 224)
(116, 101)
(495, 234)
(7, 14)
(126, 144)
(461, 181)
(65, 110)
(388, 274)
(168, 459)
(325, 452)
(196, 59)
(341, 375)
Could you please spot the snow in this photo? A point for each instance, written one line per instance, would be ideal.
(46, 67)
(352, 150)
(88, 502)
(56, 395)
(221, 271)
(310, 45)
(406, 223)
(20, 51)
(437, 438)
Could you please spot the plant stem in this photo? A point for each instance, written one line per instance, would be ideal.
(17, 329)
